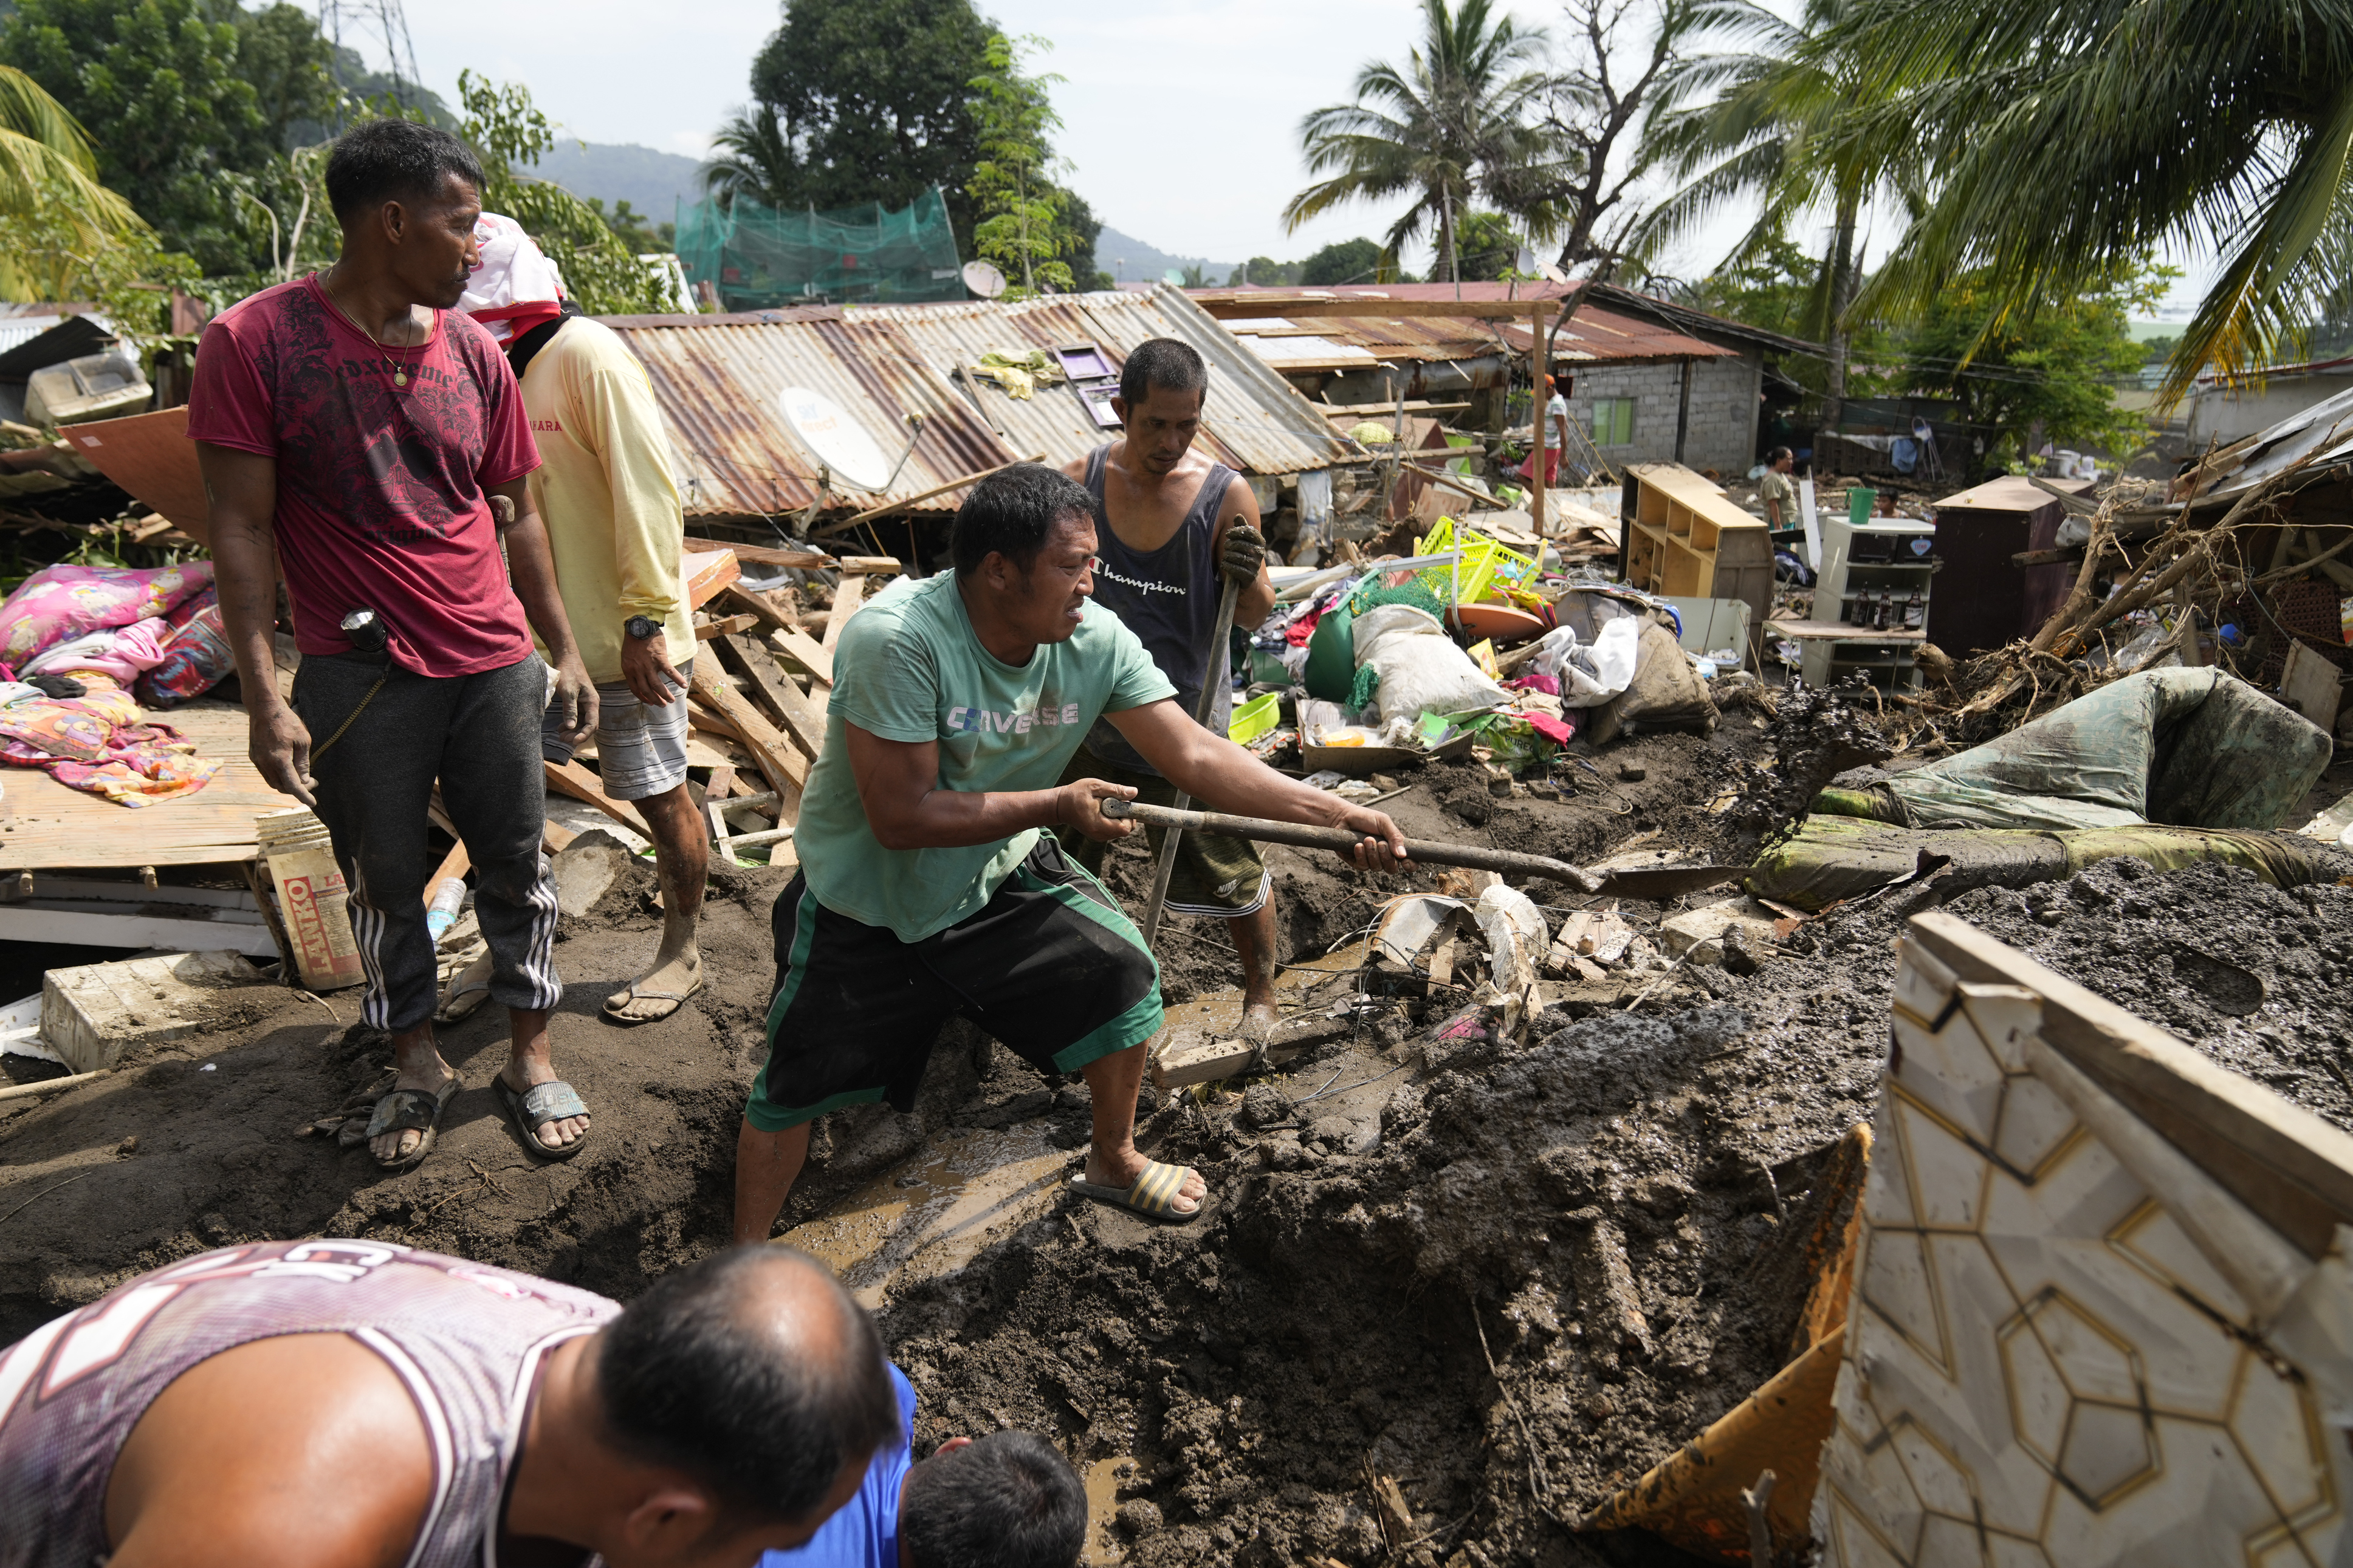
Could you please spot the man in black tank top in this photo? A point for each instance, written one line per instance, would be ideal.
(1171, 525)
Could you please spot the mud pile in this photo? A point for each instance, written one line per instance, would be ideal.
(1245, 1384)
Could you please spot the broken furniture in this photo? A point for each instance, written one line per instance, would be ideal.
(1990, 601)
(1684, 539)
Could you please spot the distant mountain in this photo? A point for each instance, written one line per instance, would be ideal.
(1130, 261)
(652, 183)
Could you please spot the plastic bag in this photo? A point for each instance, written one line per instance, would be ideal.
(59, 602)
(1420, 669)
(1592, 673)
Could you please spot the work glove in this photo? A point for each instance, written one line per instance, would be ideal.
(1243, 553)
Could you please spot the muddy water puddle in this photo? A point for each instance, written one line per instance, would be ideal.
(936, 1212)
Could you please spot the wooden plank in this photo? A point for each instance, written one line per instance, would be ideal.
(44, 826)
(872, 566)
(20, 923)
(707, 573)
(736, 596)
(785, 768)
(973, 478)
(572, 779)
(797, 646)
(766, 555)
(726, 628)
(799, 717)
(555, 838)
(1258, 307)
(848, 600)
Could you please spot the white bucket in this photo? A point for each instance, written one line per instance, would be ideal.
(311, 897)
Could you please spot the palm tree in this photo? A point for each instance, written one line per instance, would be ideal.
(1778, 131)
(1431, 128)
(751, 156)
(49, 186)
(2068, 133)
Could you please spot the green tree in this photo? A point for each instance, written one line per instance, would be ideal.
(1343, 261)
(2033, 377)
(2069, 134)
(1023, 225)
(1428, 130)
(156, 84)
(291, 68)
(1779, 133)
(753, 157)
(1487, 245)
(68, 237)
(866, 100)
(633, 228)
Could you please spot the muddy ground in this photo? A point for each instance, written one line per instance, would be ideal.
(1386, 1283)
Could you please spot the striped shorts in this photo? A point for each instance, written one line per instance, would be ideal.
(641, 750)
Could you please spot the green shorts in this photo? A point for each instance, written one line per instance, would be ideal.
(1214, 875)
(1049, 966)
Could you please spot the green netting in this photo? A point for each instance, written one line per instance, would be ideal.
(760, 260)
(1413, 590)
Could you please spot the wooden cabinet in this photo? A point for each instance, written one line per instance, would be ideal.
(1685, 539)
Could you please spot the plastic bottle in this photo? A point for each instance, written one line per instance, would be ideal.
(442, 909)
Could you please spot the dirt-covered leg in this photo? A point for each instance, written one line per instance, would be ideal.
(1112, 1160)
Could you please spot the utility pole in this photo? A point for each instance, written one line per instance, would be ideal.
(388, 20)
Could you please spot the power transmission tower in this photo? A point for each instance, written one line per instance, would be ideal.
(380, 21)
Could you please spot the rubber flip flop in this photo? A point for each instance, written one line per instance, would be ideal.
(463, 996)
(402, 1110)
(629, 994)
(1152, 1195)
(544, 1102)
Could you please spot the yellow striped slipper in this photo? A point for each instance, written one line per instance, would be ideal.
(1153, 1195)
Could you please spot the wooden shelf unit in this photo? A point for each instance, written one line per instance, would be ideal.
(1686, 540)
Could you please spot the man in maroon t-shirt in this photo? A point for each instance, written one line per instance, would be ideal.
(358, 425)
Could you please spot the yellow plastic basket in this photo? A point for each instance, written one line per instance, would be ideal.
(1486, 565)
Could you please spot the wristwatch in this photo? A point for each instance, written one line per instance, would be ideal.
(642, 627)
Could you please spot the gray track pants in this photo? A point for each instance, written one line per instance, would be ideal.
(479, 735)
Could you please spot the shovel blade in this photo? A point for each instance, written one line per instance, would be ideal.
(1653, 883)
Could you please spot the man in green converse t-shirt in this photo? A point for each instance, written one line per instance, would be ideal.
(928, 886)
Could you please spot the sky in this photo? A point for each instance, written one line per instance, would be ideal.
(1180, 119)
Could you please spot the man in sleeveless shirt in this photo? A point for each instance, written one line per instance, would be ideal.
(357, 1405)
(1171, 526)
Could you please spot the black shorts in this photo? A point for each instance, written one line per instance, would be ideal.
(1049, 966)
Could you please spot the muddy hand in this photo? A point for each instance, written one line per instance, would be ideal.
(1082, 807)
(1382, 848)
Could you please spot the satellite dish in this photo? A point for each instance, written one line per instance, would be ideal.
(984, 280)
(834, 438)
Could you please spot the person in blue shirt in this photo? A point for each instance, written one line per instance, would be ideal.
(1006, 1500)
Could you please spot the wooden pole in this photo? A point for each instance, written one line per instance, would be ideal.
(829, 530)
(1542, 402)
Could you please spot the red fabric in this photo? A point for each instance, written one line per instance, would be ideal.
(1528, 469)
(381, 489)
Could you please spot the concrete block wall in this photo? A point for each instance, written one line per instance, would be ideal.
(1722, 434)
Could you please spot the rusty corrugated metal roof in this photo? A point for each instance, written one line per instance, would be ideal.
(1255, 422)
(718, 379)
(1597, 332)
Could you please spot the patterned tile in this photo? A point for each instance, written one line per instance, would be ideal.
(2053, 1368)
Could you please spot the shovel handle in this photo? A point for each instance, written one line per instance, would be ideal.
(1260, 829)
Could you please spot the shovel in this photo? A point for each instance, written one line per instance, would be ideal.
(1649, 883)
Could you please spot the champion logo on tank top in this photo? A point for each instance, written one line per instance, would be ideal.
(1141, 585)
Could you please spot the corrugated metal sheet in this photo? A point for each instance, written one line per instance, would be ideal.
(1597, 332)
(718, 380)
(1255, 422)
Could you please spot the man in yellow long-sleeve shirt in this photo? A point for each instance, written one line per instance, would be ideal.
(617, 532)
